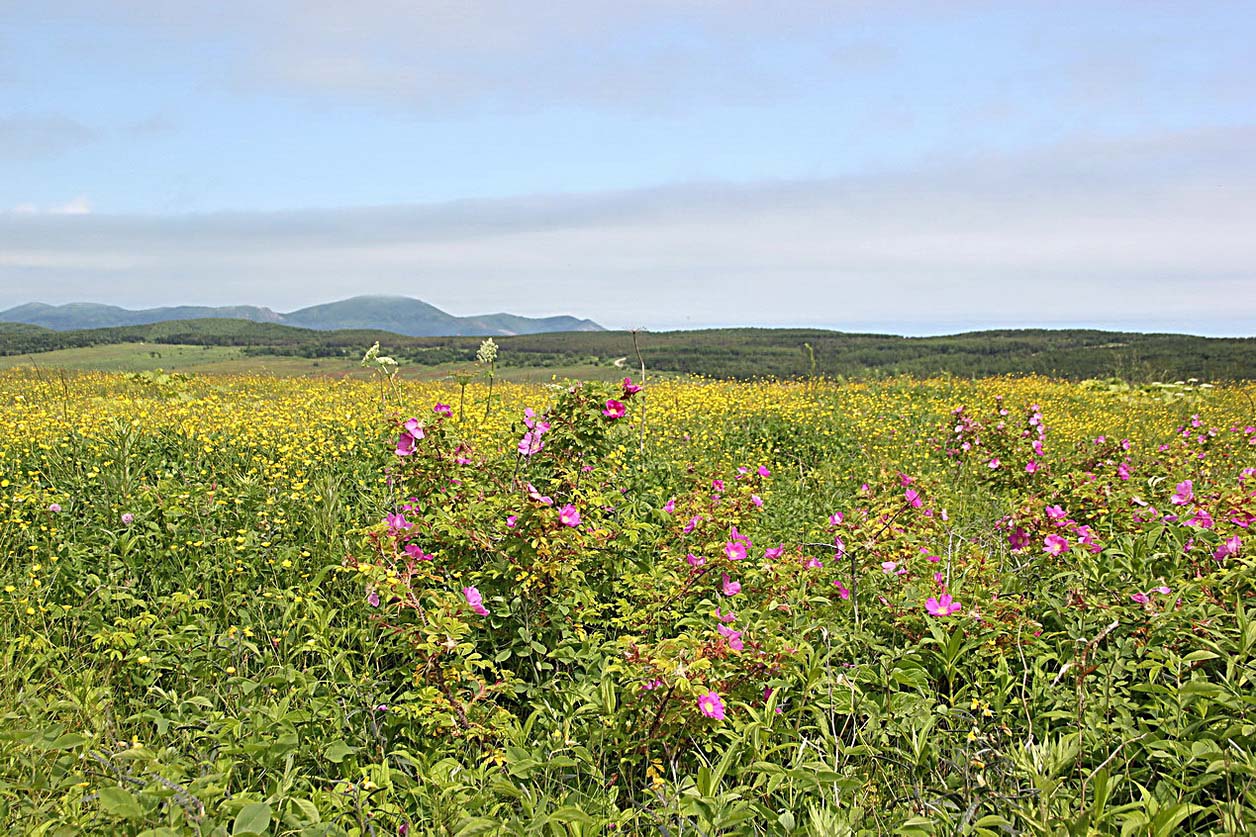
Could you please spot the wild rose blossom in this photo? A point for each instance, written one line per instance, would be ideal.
(1230, 546)
(614, 409)
(530, 444)
(405, 444)
(942, 605)
(443, 410)
(630, 388)
(1184, 494)
(416, 552)
(735, 550)
(1144, 598)
(475, 601)
(397, 522)
(1054, 544)
(731, 588)
(412, 432)
(1200, 518)
(710, 705)
(569, 515)
(1086, 537)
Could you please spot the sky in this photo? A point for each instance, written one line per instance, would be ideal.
(901, 167)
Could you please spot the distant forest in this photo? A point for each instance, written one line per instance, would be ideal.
(738, 353)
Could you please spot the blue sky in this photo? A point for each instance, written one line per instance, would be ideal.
(907, 167)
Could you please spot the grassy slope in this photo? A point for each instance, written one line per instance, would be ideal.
(231, 360)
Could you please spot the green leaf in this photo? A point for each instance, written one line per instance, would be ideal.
(67, 742)
(120, 802)
(309, 811)
(1201, 654)
(475, 826)
(337, 751)
(253, 818)
(570, 813)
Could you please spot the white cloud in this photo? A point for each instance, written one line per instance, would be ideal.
(1146, 232)
(75, 206)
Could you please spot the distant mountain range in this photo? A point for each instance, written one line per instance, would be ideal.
(398, 314)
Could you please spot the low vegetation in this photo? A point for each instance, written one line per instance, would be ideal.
(243, 605)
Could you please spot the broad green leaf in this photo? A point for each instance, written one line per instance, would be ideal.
(337, 751)
(120, 802)
(253, 818)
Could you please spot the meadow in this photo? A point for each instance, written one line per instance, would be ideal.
(241, 604)
(234, 360)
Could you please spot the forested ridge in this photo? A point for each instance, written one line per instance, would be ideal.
(739, 353)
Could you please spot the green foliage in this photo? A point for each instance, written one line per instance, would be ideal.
(240, 658)
(743, 353)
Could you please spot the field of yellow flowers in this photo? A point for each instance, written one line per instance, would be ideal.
(252, 605)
